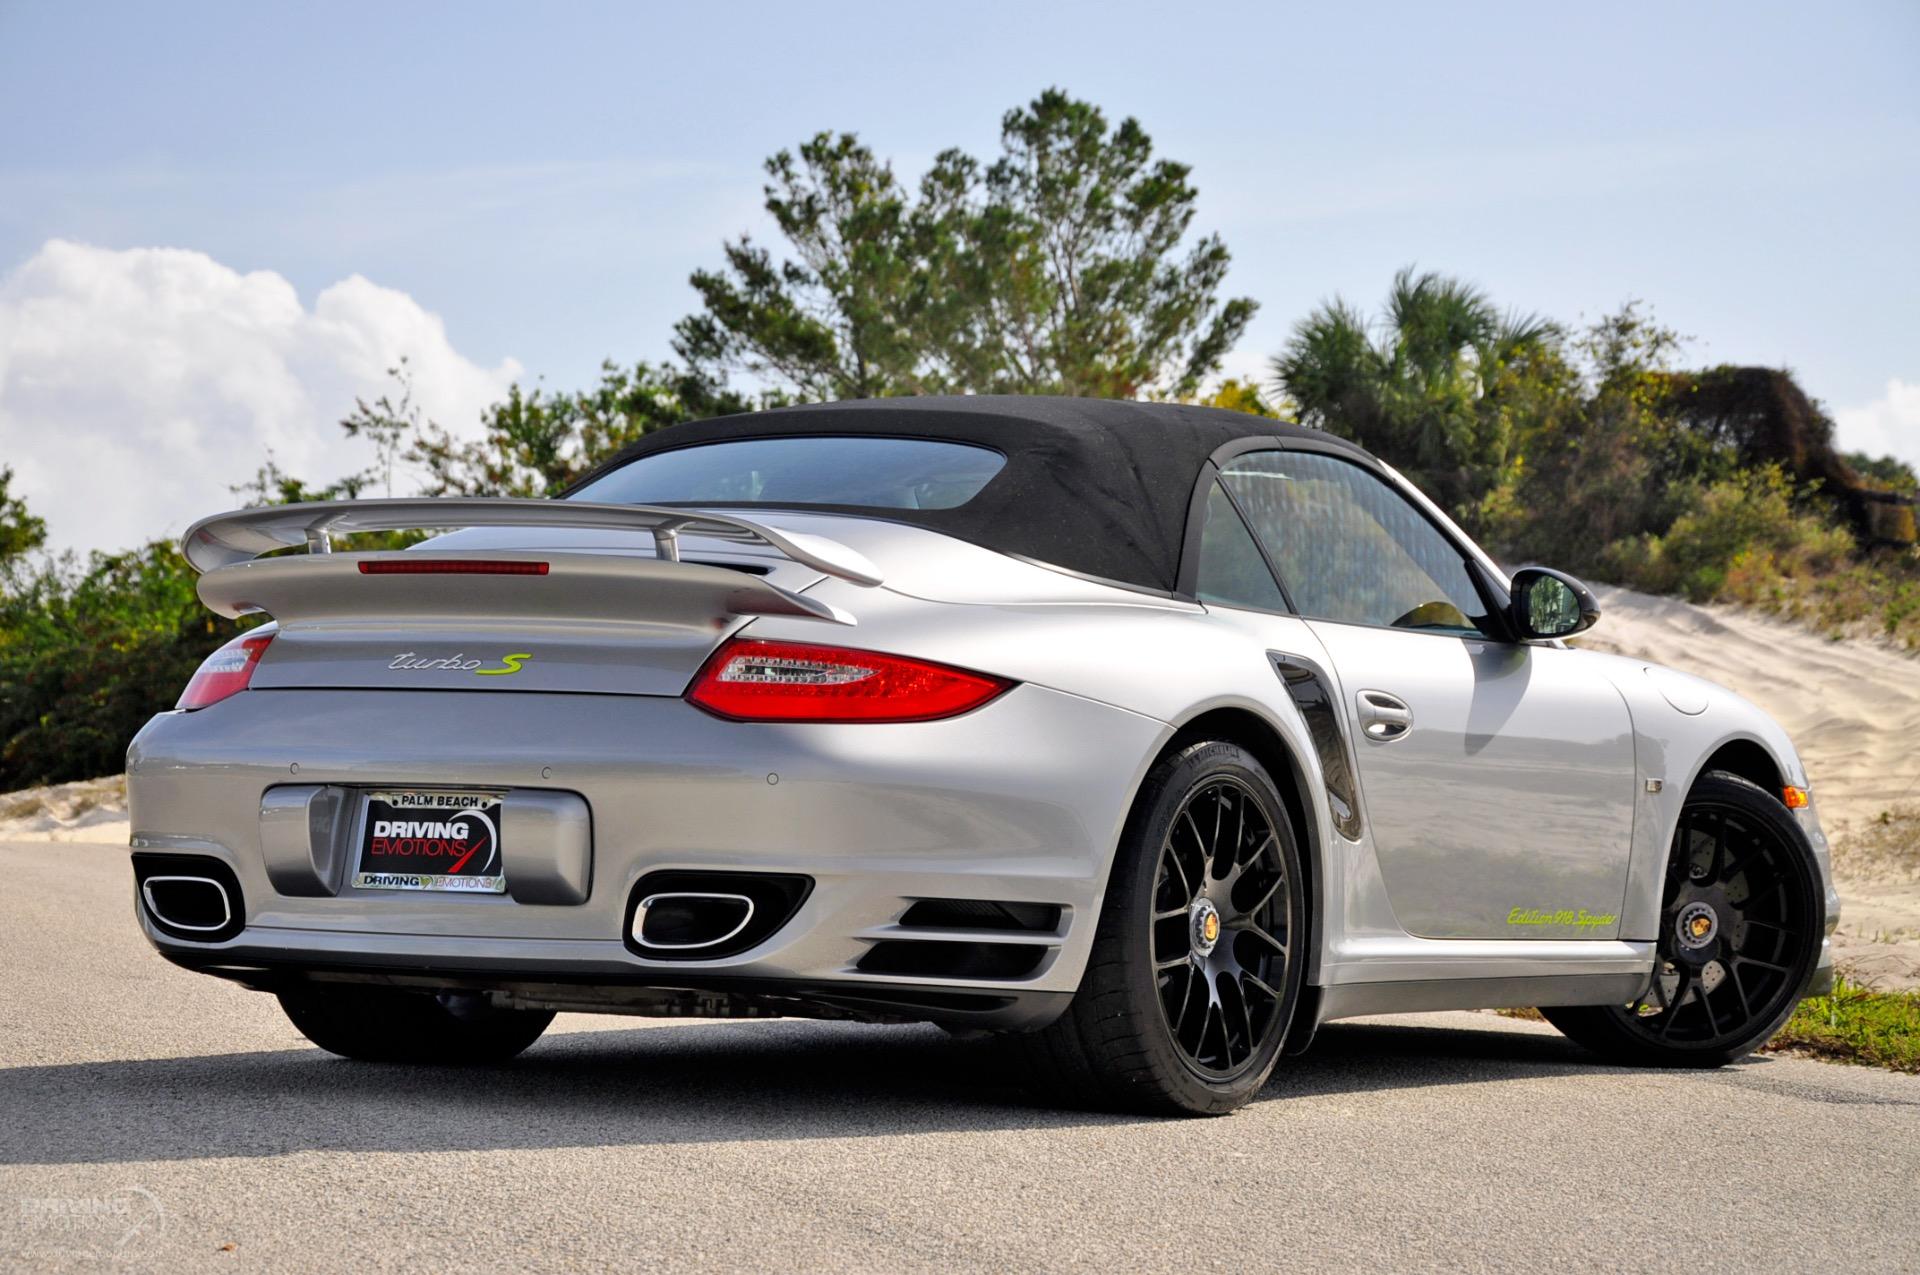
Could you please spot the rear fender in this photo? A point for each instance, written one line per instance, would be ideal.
(1201, 663)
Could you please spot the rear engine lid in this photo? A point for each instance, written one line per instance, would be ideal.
(429, 619)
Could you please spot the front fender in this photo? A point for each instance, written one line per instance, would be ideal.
(1681, 724)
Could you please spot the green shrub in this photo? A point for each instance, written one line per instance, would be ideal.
(1741, 537)
(1751, 539)
(87, 655)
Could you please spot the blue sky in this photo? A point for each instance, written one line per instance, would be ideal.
(543, 181)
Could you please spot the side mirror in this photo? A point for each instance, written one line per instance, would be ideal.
(1550, 604)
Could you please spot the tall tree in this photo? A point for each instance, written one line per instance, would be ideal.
(1431, 387)
(1059, 268)
(534, 443)
(20, 530)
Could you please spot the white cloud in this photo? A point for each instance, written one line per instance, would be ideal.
(1889, 426)
(137, 386)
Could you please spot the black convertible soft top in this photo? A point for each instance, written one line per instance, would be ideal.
(1098, 487)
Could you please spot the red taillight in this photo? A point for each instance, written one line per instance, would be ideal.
(226, 672)
(757, 681)
(451, 567)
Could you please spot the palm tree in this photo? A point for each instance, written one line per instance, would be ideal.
(1420, 388)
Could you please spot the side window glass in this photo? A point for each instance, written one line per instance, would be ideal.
(1232, 572)
(1350, 547)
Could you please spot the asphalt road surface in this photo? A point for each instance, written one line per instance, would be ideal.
(151, 1118)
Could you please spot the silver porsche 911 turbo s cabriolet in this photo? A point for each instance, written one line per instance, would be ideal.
(1151, 736)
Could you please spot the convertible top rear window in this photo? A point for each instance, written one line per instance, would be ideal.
(838, 470)
(1093, 486)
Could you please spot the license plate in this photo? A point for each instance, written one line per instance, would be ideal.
(431, 841)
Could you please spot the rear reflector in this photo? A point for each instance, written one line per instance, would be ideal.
(754, 681)
(451, 567)
(226, 672)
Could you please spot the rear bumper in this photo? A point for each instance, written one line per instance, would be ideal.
(1021, 801)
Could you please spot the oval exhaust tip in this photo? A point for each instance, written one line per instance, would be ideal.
(683, 921)
(195, 904)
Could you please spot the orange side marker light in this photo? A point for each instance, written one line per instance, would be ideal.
(1796, 798)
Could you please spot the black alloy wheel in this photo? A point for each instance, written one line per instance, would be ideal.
(1221, 927)
(1197, 957)
(1740, 932)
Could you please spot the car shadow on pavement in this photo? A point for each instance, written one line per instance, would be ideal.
(690, 1083)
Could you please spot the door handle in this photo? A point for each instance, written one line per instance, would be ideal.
(1383, 717)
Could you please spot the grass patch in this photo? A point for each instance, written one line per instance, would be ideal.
(1857, 1025)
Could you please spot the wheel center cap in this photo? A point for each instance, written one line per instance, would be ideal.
(1205, 920)
(1696, 926)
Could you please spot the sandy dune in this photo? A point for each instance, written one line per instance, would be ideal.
(91, 810)
(1852, 707)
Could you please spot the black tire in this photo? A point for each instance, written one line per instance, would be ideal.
(389, 1025)
(1121, 1045)
(1740, 933)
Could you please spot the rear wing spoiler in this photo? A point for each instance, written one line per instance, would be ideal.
(230, 538)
